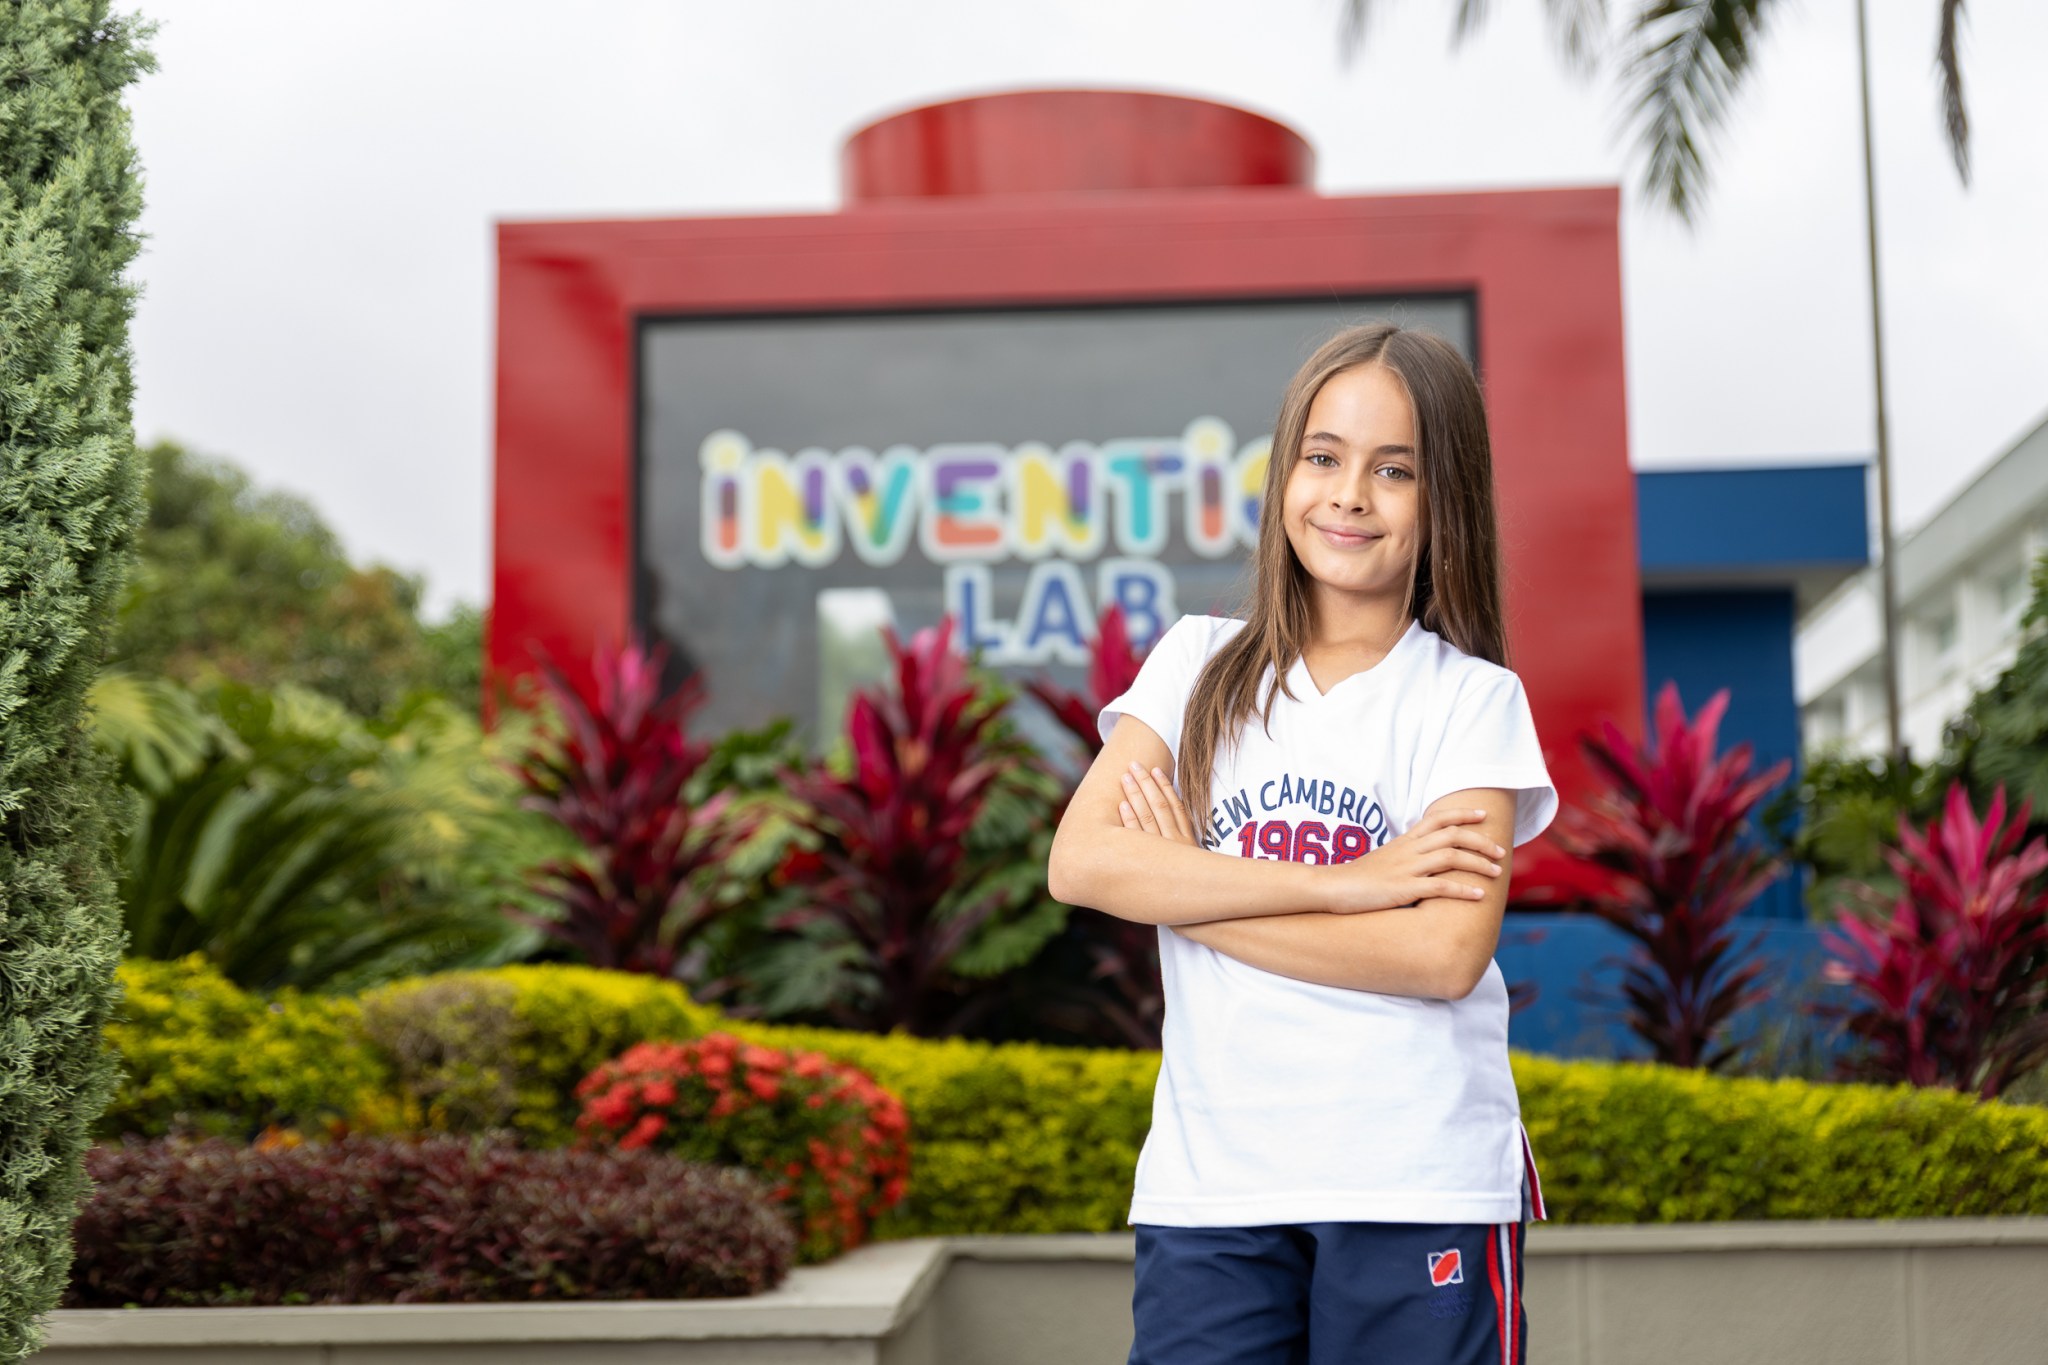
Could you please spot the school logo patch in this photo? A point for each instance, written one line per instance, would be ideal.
(1446, 1267)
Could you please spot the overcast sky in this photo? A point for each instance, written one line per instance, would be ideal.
(322, 183)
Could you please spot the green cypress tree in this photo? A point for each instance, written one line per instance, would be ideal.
(70, 500)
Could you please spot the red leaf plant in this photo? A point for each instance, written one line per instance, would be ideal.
(1124, 996)
(615, 779)
(1668, 833)
(833, 1146)
(1112, 667)
(892, 868)
(1950, 979)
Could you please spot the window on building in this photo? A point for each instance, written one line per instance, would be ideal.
(2011, 589)
(1827, 720)
(1944, 642)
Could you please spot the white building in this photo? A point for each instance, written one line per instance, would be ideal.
(1963, 585)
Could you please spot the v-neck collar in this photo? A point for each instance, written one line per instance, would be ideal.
(1309, 692)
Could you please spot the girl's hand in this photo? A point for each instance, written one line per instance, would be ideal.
(1151, 804)
(1411, 868)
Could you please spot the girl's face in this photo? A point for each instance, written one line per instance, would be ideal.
(1351, 504)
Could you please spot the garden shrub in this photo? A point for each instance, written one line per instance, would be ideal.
(1027, 1138)
(568, 1021)
(439, 1220)
(204, 1057)
(1621, 1142)
(449, 1041)
(833, 1144)
(71, 495)
(1005, 1137)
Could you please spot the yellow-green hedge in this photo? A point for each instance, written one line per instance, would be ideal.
(566, 1020)
(202, 1055)
(1021, 1138)
(1636, 1143)
(1008, 1137)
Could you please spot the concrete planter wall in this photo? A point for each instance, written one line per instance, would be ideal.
(1921, 1292)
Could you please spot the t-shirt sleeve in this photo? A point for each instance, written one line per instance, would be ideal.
(1491, 742)
(1159, 694)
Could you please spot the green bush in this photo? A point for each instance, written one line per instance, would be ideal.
(449, 1040)
(71, 496)
(205, 1057)
(1004, 1137)
(239, 582)
(1621, 1142)
(1025, 1138)
(297, 845)
(566, 1022)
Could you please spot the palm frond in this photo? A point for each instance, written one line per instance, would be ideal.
(1579, 28)
(1351, 32)
(155, 729)
(1471, 14)
(1686, 60)
(1955, 118)
(296, 845)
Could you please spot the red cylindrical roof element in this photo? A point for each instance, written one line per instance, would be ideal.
(1040, 141)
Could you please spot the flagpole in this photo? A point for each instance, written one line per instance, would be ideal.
(1887, 565)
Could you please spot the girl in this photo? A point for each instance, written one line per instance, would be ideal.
(1336, 1170)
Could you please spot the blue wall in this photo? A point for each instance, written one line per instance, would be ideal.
(1721, 552)
(1740, 640)
(1752, 523)
(1574, 964)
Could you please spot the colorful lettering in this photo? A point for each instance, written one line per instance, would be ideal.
(977, 501)
(963, 516)
(723, 459)
(1054, 623)
(1143, 588)
(1207, 444)
(787, 515)
(1056, 502)
(1251, 489)
(970, 600)
(877, 498)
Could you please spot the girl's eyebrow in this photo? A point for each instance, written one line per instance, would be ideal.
(1331, 438)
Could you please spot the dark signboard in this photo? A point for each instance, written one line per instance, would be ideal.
(802, 479)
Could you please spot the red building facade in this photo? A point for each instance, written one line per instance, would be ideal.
(968, 223)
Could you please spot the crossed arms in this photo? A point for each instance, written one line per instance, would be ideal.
(1418, 916)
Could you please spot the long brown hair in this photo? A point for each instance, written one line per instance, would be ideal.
(1454, 587)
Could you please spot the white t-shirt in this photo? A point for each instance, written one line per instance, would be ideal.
(1282, 1101)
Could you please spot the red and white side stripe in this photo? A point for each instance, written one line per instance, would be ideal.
(1535, 1181)
(1504, 1269)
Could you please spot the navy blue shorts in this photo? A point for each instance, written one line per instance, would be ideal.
(1330, 1294)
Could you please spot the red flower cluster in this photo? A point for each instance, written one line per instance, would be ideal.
(834, 1146)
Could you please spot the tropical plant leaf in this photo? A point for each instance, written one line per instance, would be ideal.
(1577, 27)
(295, 846)
(616, 776)
(1949, 979)
(1671, 831)
(1686, 59)
(155, 729)
(910, 854)
(1955, 118)
(1010, 943)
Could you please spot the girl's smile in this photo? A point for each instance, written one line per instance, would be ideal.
(1344, 539)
